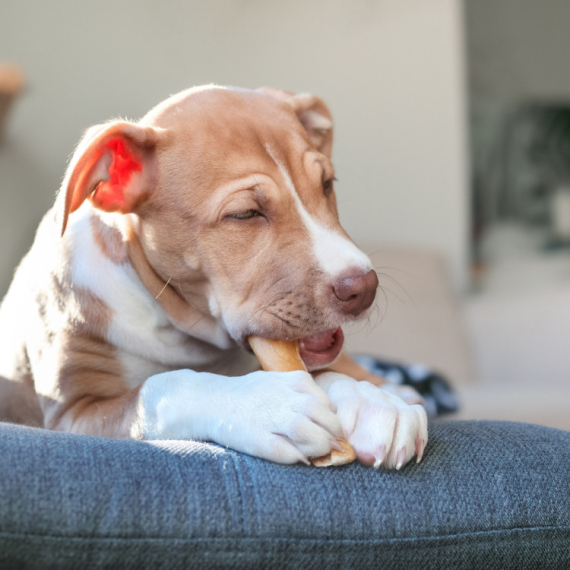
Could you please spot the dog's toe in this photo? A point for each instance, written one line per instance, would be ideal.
(383, 429)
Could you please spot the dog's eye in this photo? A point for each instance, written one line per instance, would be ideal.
(245, 215)
(328, 185)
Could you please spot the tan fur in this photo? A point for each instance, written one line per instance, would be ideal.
(204, 156)
(110, 240)
(182, 313)
(236, 256)
(20, 402)
(89, 371)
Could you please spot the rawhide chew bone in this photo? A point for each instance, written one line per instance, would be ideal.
(284, 356)
(345, 365)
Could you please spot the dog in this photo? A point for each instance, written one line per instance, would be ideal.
(171, 240)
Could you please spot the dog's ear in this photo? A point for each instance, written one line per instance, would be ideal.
(114, 166)
(313, 114)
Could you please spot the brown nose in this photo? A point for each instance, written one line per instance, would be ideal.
(355, 291)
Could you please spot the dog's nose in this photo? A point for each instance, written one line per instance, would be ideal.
(356, 291)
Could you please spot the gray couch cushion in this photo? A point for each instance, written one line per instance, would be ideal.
(487, 495)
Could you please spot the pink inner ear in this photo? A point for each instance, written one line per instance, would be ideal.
(110, 195)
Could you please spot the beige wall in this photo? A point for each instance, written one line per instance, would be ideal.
(391, 70)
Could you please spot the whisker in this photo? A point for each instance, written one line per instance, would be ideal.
(202, 316)
(375, 252)
(265, 307)
(399, 285)
(194, 324)
(165, 286)
(385, 310)
(185, 298)
(388, 290)
(289, 323)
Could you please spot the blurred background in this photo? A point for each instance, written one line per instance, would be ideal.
(452, 150)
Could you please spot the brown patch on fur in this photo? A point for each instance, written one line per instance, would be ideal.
(95, 314)
(90, 378)
(19, 401)
(109, 240)
(59, 370)
(114, 417)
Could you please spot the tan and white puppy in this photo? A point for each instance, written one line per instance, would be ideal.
(171, 241)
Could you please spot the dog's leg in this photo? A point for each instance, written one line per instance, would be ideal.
(285, 356)
(382, 428)
(281, 416)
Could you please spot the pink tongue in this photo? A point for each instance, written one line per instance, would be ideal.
(318, 342)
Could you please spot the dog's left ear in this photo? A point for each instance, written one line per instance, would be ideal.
(114, 166)
(313, 114)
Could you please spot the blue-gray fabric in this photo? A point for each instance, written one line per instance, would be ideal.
(487, 495)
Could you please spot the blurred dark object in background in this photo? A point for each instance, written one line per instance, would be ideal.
(528, 173)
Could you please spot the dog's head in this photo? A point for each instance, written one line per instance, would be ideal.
(231, 194)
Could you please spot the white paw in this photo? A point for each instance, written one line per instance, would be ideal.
(383, 429)
(281, 416)
(406, 393)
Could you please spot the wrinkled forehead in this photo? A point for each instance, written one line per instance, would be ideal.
(233, 126)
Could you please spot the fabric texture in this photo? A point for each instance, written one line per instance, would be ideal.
(439, 397)
(487, 495)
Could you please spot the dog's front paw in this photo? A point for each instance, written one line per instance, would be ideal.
(383, 429)
(281, 416)
(406, 393)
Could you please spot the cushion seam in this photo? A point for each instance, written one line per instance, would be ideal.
(398, 540)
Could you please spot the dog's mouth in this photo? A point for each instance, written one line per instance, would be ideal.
(321, 349)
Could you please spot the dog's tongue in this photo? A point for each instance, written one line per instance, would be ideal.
(319, 350)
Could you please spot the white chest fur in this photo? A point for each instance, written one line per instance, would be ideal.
(147, 342)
